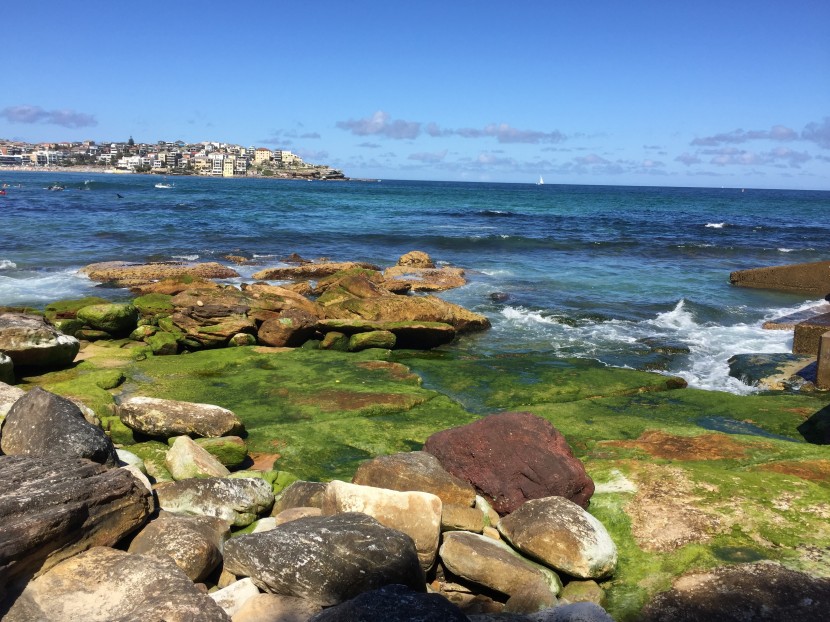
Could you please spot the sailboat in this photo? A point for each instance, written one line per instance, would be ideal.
(541, 181)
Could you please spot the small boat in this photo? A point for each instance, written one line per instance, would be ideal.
(2, 192)
(541, 181)
(163, 185)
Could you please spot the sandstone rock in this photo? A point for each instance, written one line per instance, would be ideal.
(44, 424)
(334, 340)
(427, 279)
(582, 592)
(415, 470)
(238, 501)
(130, 275)
(233, 597)
(326, 560)
(185, 459)
(510, 458)
(286, 516)
(264, 524)
(165, 418)
(242, 339)
(310, 270)
(275, 608)
(761, 592)
(52, 508)
(32, 343)
(408, 334)
(493, 564)
(193, 542)
(103, 584)
(8, 396)
(300, 494)
(6, 369)
(561, 535)
(416, 259)
(211, 326)
(530, 598)
(117, 319)
(229, 450)
(142, 332)
(372, 339)
(461, 518)
(269, 300)
(805, 278)
(417, 514)
(291, 328)
(393, 603)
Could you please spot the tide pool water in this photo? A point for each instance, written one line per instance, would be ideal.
(630, 276)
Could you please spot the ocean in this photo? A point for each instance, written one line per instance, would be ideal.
(631, 276)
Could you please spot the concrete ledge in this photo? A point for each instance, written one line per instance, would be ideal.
(807, 334)
(823, 372)
(806, 278)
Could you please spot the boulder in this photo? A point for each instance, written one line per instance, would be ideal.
(461, 518)
(8, 396)
(417, 514)
(53, 508)
(6, 369)
(163, 343)
(374, 339)
(511, 458)
(268, 301)
(393, 603)
(326, 560)
(761, 592)
(44, 424)
(104, 584)
(165, 418)
(233, 597)
(588, 591)
(415, 470)
(32, 343)
(495, 565)
(238, 501)
(286, 516)
(211, 326)
(275, 608)
(193, 542)
(335, 340)
(130, 275)
(410, 335)
(290, 328)
(427, 279)
(575, 612)
(563, 536)
(229, 450)
(310, 270)
(416, 259)
(242, 339)
(117, 319)
(300, 494)
(185, 459)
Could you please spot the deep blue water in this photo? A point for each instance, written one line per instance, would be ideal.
(589, 270)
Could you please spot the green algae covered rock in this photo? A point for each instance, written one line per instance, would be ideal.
(335, 340)
(114, 318)
(68, 326)
(373, 339)
(163, 343)
(68, 309)
(229, 450)
(150, 305)
(143, 331)
(153, 453)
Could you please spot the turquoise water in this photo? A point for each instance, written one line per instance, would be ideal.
(593, 271)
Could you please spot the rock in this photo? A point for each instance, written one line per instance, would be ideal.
(310, 271)
(495, 565)
(128, 458)
(761, 592)
(165, 418)
(530, 598)
(807, 334)
(67, 309)
(576, 612)
(393, 603)
(415, 470)
(461, 518)
(229, 450)
(193, 542)
(6, 369)
(53, 508)
(163, 343)
(300, 494)
(417, 514)
(44, 424)
(150, 306)
(212, 324)
(233, 597)
(416, 259)
(142, 332)
(186, 459)
(117, 319)
(264, 524)
(130, 275)
(291, 328)
(812, 279)
(511, 458)
(563, 536)
(286, 516)
(242, 339)
(8, 396)
(410, 335)
(326, 560)
(771, 372)
(267, 301)
(32, 343)
(335, 340)
(275, 608)
(426, 279)
(91, 334)
(582, 592)
(103, 584)
(373, 339)
(238, 501)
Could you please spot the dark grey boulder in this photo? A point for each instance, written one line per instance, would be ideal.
(51, 509)
(393, 603)
(30, 342)
(238, 501)
(326, 560)
(44, 424)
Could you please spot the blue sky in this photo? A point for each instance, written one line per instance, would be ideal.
(704, 93)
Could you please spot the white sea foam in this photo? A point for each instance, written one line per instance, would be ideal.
(785, 250)
(45, 288)
(186, 257)
(7, 264)
(710, 345)
(715, 225)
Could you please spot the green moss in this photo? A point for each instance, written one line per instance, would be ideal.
(65, 309)
(154, 304)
